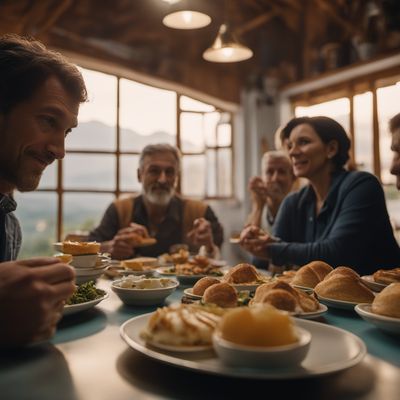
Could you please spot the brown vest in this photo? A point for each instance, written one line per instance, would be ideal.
(192, 209)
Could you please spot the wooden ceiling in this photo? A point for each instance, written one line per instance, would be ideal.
(286, 36)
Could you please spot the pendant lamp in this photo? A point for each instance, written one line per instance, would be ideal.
(184, 16)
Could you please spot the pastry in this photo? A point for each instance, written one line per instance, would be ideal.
(387, 302)
(343, 271)
(80, 248)
(132, 264)
(242, 273)
(345, 288)
(221, 294)
(387, 276)
(202, 284)
(181, 325)
(284, 297)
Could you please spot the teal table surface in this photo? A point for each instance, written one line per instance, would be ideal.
(87, 359)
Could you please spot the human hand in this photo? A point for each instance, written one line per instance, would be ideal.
(32, 296)
(255, 241)
(201, 234)
(258, 191)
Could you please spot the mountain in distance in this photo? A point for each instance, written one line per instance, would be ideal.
(96, 135)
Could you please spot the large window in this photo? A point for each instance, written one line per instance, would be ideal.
(364, 111)
(121, 117)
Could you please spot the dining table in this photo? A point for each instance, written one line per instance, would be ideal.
(87, 359)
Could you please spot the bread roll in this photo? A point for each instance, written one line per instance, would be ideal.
(387, 302)
(387, 276)
(343, 271)
(80, 248)
(221, 294)
(311, 274)
(242, 273)
(202, 284)
(132, 264)
(281, 299)
(306, 277)
(345, 288)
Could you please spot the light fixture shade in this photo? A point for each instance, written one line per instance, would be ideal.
(226, 48)
(186, 19)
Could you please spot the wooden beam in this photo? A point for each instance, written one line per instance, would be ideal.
(60, 8)
(256, 22)
(333, 13)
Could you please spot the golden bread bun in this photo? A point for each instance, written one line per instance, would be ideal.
(284, 297)
(132, 264)
(242, 273)
(387, 276)
(345, 288)
(321, 268)
(80, 248)
(202, 284)
(146, 261)
(306, 277)
(387, 302)
(343, 271)
(221, 294)
(281, 299)
(65, 258)
(258, 326)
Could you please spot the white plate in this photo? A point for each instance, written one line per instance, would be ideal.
(189, 293)
(370, 282)
(389, 324)
(332, 349)
(341, 304)
(75, 308)
(312, 314)
(306, 289)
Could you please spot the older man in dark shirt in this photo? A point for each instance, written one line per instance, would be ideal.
(158, 212)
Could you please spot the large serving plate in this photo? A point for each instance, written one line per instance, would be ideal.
(388, 324)
(75, 308)
(370, 282)
(332, 349)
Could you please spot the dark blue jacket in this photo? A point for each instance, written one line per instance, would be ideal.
(352, 228)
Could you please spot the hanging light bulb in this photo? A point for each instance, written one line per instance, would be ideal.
(186, 19)
(226, 48)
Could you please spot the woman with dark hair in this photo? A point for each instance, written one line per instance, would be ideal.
(340, 217)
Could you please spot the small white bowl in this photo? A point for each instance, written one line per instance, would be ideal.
(84, 261)
(236, 355)
(143, 297)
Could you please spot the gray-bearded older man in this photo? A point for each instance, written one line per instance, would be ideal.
(158, 212)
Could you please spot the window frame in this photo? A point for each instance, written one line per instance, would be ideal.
(60, 190)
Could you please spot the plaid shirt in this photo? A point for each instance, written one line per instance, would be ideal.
(10, 230)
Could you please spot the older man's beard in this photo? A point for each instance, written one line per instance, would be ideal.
(158, 195)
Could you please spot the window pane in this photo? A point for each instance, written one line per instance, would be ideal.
(89, 171)
(49, 177)
(363, 131)
(338, 109)
(128, 167)
(83, 211)
(192, 137)
(388, 106)
(224, 134)
(147, 115)
(211, 173)
(224, 169)
(37, 214)
(189, 104)
(210, 127)
(193, 175)
(97, 117)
